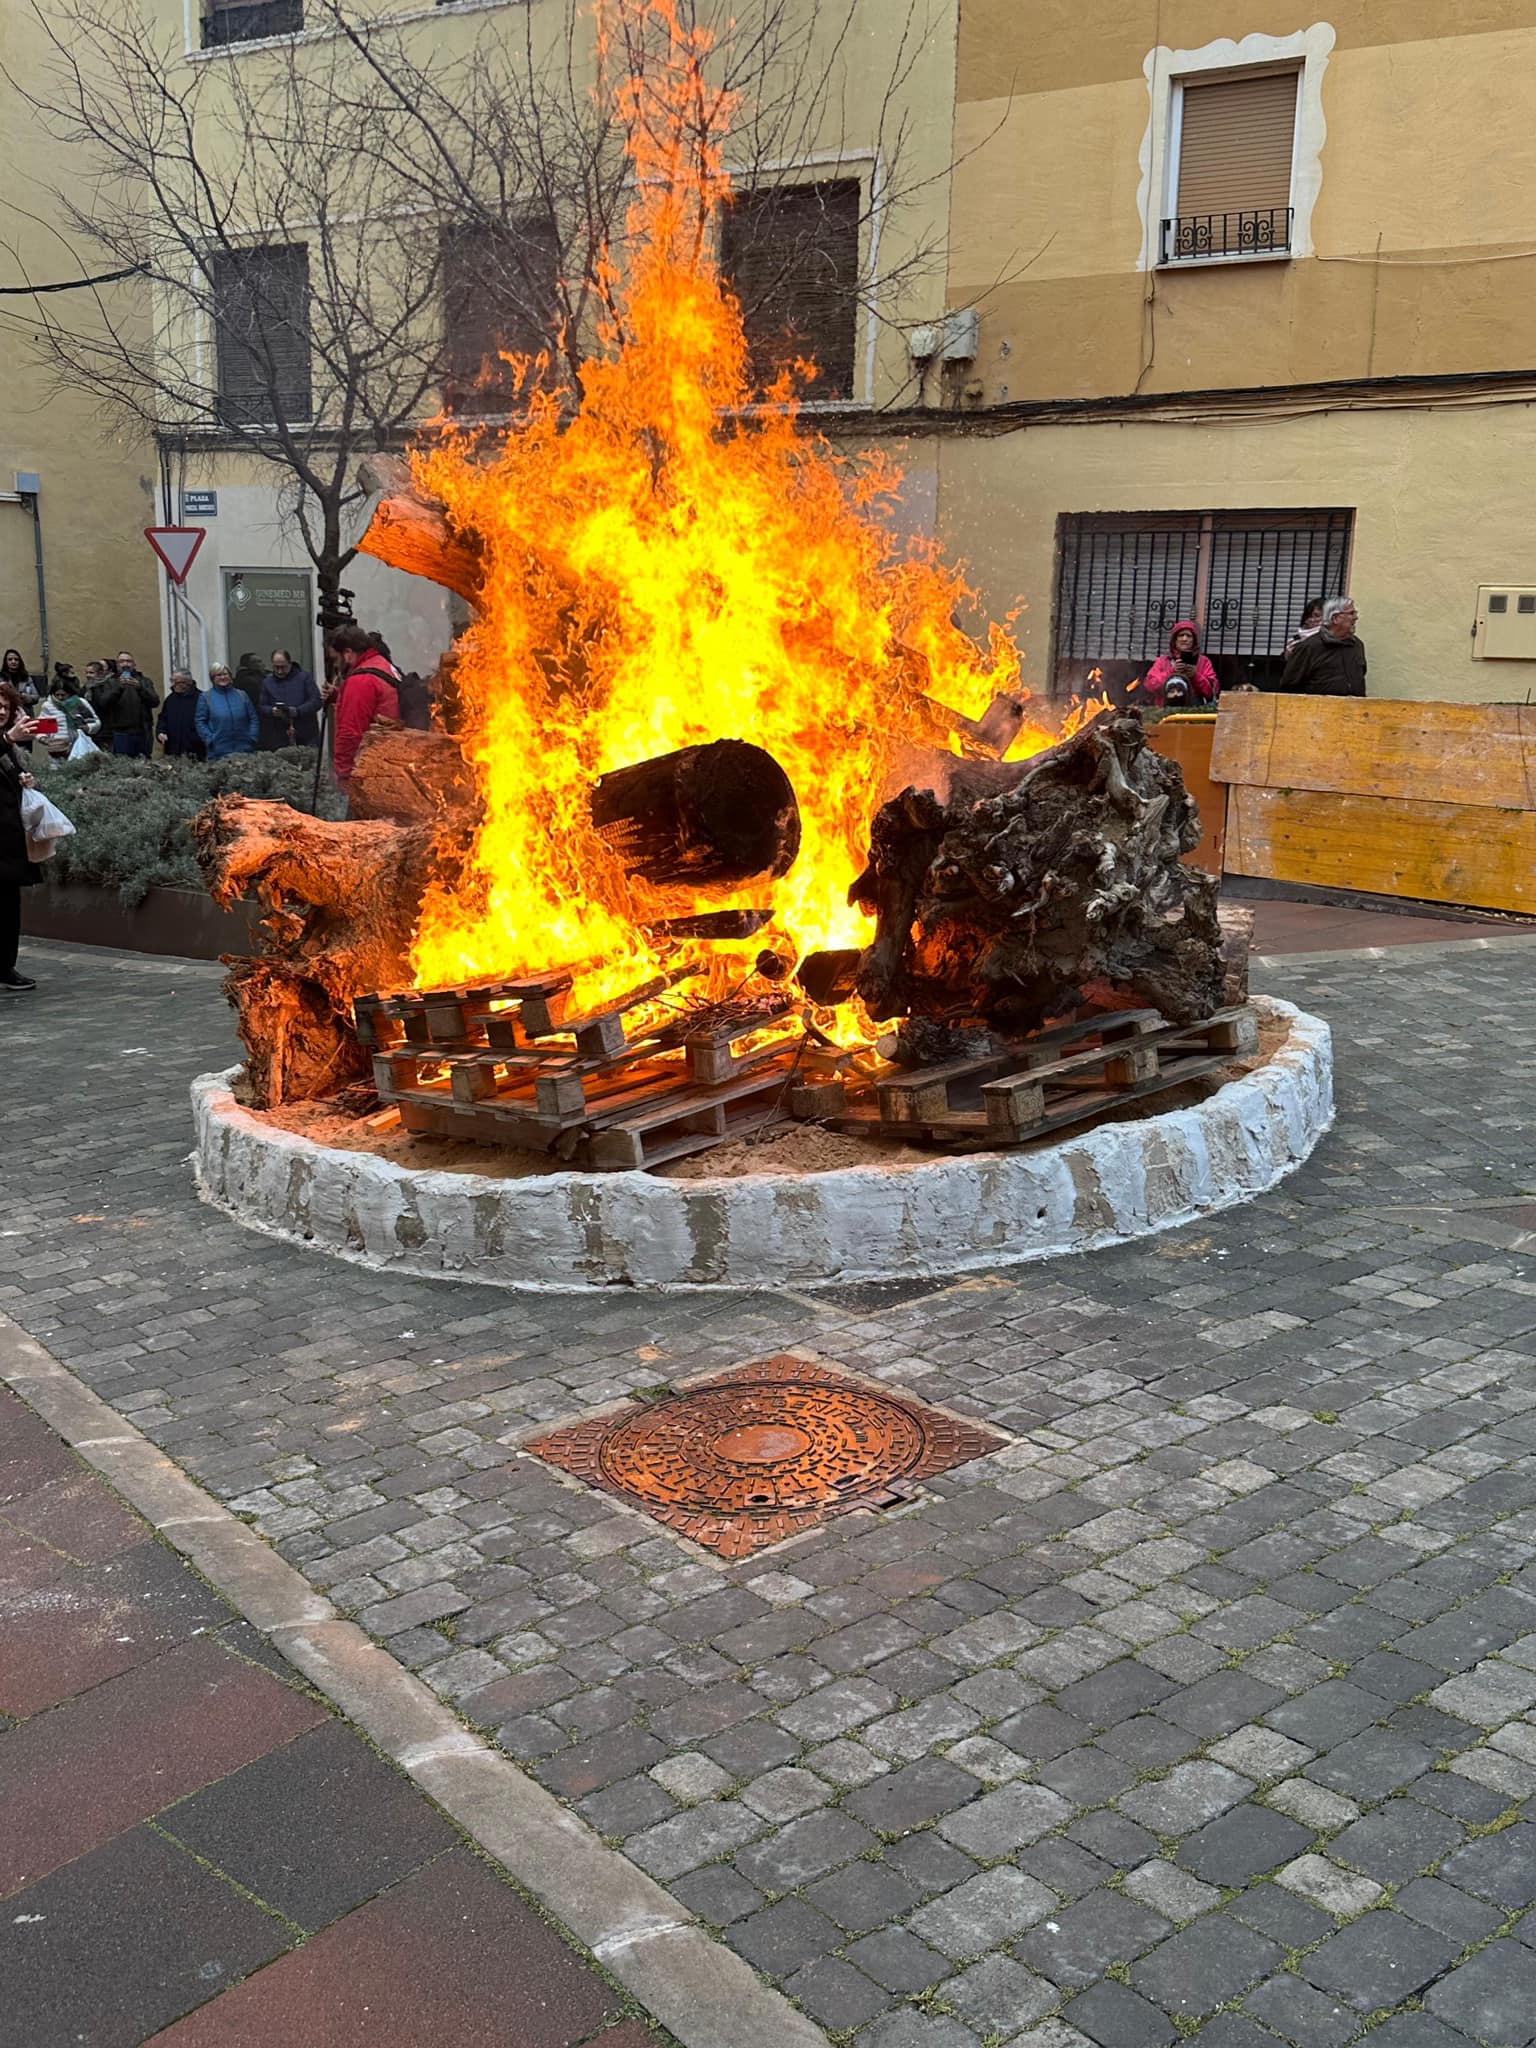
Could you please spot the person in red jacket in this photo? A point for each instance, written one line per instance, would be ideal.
(1193, 679)
(364, 692)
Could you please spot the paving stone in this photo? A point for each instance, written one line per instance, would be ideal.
(983, 1913)
(999, 1822)
(1212, 1960)
(692, 1838)
(1491, 1996)
(863, 1896)
(918, 2030)
(1292, 1921)
(782, 1795)
(836, 1994)
(1299, 2013)
(1170, 1891)
(1500, 1867)
(912, 1797)
(784, 1937)
(1378, 1960)
(1449, 1911)
(691, 1777)
(1313, 1805)
(1326, 1714)
(717, 1894)
(999, 1995)
(834, 1709)
(1116, 2017)
(1397, 1842)
(1337, 1891)
(1369, 1766)
(793, 1855)
(1189, 1796)
(1243, 1844)
(897, 1961)
(1076, 1947)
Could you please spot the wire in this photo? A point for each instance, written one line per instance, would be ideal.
(76, 284)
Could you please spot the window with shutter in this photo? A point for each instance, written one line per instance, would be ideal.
(499, 297)
(244, 21)
(1237, 138)
(260, 304)
(790, 254)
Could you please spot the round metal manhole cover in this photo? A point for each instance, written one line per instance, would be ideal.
(752, 1449)
(758, 1454)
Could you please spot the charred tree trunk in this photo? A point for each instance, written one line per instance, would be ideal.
(1061, 895)
(341, 903)
(413, 778)
(413, 533)
(704, 817)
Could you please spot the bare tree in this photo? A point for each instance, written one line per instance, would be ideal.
(340, 233)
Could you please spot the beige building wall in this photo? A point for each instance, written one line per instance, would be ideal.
(98, 490)
(1441, 504)
(1418, 165)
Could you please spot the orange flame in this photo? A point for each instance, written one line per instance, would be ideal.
(667, 565)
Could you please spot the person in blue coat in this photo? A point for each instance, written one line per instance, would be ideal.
(226, 718)
(290, 705)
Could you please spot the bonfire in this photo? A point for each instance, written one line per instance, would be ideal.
(700, 663)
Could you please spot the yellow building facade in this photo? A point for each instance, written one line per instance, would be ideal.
(95, 479)
(1257, 318)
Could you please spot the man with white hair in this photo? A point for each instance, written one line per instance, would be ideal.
(1332, 662)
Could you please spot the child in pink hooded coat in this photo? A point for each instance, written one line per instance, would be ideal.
(1204, 683)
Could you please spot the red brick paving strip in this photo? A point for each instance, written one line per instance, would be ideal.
(451, 1956)
(73, 1778)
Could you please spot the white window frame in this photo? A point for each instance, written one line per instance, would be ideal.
(1168, 70)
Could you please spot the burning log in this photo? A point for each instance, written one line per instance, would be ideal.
(1060, 895)
(413, 778)
(410, 532)
(705, 817)
(341, 904)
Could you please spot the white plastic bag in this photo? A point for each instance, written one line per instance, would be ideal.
(44, 824)
(83, 745)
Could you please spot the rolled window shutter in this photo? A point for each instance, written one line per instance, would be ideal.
(500, 283)
(1236, 143)
(262, 337)
(790, 254)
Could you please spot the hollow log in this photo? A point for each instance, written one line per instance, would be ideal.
(340, 904)
(707, 816)
(411, 532)
(1064, 894)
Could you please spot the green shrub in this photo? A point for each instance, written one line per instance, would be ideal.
(133, 818)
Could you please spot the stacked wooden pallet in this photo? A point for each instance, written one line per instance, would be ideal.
(1056, 1078)
(632, 1084)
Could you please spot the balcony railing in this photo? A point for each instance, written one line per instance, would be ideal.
(1203, 237)
(246, 21)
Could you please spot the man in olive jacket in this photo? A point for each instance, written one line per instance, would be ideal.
(1332, 662)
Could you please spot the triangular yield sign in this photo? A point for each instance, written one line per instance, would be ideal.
(176, 546)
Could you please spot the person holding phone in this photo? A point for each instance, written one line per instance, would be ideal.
(1183, 675)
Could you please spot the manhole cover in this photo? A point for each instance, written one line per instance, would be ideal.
(763, 1451)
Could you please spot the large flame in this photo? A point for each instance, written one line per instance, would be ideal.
(666, 564)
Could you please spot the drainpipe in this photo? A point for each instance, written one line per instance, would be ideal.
(29, 487)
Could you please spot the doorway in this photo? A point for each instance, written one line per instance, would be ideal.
(267, 608)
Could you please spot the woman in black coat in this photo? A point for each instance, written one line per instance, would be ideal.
(16, 871)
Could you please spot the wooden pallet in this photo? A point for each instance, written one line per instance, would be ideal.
(510, 1064)
(1046, 1083)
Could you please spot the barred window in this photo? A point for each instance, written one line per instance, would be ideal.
(245, 21)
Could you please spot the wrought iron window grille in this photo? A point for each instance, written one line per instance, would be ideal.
(1205, 237)
(248, 21)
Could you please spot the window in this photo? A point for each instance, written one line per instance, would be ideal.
(790, 253)
(1125, 579)
(1235, 141)
(261, 332)
(499, 294)
(243, 21)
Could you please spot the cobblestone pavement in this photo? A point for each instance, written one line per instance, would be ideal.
(1203, 1710)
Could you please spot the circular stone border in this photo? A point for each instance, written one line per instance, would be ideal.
(909, 1220)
